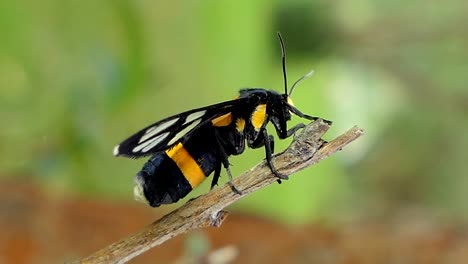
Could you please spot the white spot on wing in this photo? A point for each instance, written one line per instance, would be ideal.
(145, 146)
(156, 129)
(183, 132)
(116, 150)
(194, 116)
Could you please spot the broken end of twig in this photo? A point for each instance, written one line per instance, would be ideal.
(339, 143)
(218, 218)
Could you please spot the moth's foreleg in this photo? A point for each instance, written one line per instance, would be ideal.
(267, 139)
(291, 131)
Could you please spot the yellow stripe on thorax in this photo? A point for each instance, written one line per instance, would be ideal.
(258, 116)
(240, 124)
(221, 121)
(187, 165)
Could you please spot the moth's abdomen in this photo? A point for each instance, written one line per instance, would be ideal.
(170, 175)
(160, 181)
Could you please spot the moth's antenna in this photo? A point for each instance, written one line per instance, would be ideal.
(283, 61)
(307, 75)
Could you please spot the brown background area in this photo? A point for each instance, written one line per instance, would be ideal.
(38, 228)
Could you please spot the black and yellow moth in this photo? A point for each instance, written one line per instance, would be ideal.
(187, 147)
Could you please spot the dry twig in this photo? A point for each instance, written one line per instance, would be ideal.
(307, 149)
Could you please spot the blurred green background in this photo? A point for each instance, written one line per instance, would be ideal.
(77, 77)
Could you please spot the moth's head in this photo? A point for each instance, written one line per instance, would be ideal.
(280, 105)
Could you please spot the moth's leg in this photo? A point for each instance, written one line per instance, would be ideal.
(217, 173)
(293, 129)
(225, 162)
(283, 133)
(296, 111)
(272, 148)
(268, 140)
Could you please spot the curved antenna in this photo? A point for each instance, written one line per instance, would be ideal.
(283, 61)
(307, 75)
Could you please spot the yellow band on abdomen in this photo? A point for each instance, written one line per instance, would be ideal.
(187, 165)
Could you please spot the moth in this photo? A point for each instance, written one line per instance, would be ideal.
(186, 148)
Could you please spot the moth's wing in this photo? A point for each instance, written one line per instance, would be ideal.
(169, 131)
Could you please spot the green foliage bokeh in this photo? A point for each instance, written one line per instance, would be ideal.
(77, 77)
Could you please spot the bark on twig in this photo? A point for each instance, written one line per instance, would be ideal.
(306, 150)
